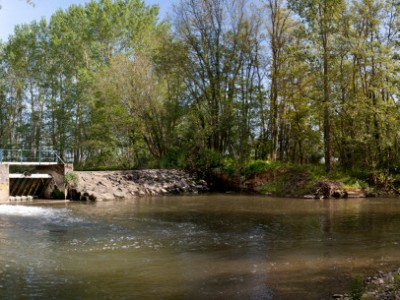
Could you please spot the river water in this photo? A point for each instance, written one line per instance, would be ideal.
(195, 247)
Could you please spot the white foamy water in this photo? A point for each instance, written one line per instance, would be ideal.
(25, 211)
(45, 214)
(30, 211)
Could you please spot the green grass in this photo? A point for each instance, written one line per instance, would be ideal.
(269, 188)
(356, 287)
(254, 167)
(297, 180)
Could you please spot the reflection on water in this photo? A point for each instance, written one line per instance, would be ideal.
(199, 247)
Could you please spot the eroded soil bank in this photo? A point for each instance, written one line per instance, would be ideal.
(286, 182)
(110, 185)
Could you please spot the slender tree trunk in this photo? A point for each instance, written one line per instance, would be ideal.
(326, 97)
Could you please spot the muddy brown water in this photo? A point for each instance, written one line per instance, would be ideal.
(195, 247)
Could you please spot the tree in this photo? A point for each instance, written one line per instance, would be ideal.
(279, 24)
(323, 18)
(132, 106)
(220, 73)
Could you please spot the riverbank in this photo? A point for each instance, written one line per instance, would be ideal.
(381, 286)
(279, 181)
(110, 185)
(303, 181)
(292, 183)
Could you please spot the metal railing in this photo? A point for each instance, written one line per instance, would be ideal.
(29, 156)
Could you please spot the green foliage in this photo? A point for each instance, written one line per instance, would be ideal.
(356, 287)
(270, 188)
(260, 166)
(207, 160)
(350, 179)
(396, 281)
(297, 180)
(230, 166)
(100, 168)
(71, 179)
(109, 83)
(173, 159)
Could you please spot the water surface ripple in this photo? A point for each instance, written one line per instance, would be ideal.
(196, 247)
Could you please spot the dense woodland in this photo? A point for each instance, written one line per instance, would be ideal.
(299, 81)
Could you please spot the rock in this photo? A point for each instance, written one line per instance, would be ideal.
(119, 195)
(124, 184)
(381, 286)
(107, 197)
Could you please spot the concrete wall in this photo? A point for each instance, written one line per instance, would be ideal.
(57, 172)
(4, 183)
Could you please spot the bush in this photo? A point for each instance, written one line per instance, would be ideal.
(260, 166)
(269, 188)
(71, 179)
(173, 159)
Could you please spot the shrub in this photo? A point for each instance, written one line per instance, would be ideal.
(260, 166)
(71, 180)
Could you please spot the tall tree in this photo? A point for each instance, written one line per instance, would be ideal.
(219, 36)
(323, 17)
(279, 23)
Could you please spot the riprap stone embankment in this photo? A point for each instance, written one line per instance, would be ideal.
(110, 185)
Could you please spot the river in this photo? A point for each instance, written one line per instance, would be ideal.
(195, 247)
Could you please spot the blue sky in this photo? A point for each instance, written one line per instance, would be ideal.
(14, 12)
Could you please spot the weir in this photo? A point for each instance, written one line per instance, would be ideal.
(30, 174)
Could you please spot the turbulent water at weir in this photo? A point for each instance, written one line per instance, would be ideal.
(198, 247)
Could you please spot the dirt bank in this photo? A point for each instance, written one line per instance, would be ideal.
(286, 182)
(110, 185)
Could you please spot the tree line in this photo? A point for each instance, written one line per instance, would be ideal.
(299, 81)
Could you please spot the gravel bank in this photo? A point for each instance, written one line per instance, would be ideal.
(381, 286)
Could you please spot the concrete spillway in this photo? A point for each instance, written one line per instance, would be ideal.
(39, 182)
(34, 187)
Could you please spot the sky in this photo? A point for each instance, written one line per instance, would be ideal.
(15, 12)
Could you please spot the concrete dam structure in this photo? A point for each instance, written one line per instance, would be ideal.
(26, 175)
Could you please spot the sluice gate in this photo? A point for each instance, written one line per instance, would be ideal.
(26, 175)
(28, 187)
